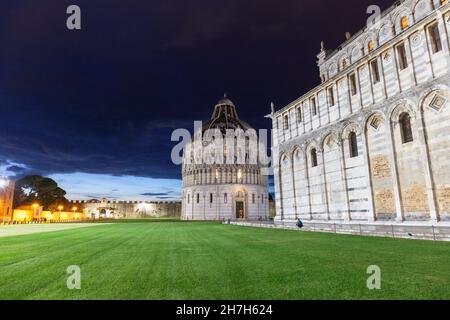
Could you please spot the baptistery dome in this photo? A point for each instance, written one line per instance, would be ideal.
(225, 117)
(232, 185)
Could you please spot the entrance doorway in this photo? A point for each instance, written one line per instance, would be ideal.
(240, 213)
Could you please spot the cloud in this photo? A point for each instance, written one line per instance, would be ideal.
(83, 186)
(16, 169)
(156, 194)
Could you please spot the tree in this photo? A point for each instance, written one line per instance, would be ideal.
(38, 189)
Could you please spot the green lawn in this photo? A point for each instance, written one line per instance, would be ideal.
(165, 260)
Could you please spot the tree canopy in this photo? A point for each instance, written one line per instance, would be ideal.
(38, 189)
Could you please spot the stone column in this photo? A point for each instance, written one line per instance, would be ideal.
(327, 205)
(347, 216)
(432, 204)
(308, 187)
(278, 189)
(371, 208)
(293, 186)
(394, 171)
(443, 33)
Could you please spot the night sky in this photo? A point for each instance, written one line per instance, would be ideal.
(95, 108)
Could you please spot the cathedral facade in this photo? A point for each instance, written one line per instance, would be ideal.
(372, 141)
(222, 177)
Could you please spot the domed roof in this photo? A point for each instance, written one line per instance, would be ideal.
(225, 117)
(225, 101)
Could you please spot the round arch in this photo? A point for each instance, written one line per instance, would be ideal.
(399, 108)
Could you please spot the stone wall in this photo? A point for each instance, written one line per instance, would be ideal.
(129, 209)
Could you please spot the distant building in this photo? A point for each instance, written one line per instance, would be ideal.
(371, 142)
(95, 209)
(27, 213)
(233, 187)
(6, 200)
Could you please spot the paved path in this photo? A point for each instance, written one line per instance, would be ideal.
(21, 229)
(416, 230)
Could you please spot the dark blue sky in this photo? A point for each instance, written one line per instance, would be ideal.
(103, 101)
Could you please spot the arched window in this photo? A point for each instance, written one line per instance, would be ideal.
(405, 128)
(225, 197)
(198, 198)
(314, 158)
(404, 23)
(353, 144)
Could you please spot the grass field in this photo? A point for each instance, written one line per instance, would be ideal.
(165, 260)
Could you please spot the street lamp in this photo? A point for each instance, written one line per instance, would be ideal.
(74, 209)
(60, 209)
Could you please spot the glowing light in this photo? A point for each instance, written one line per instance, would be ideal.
(239, 174)
(35, 205)
(47, 215)
(3, 183)
(21, 214)
(60, 208)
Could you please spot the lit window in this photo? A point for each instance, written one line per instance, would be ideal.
(344, 64)
(314, 158)
(444, 2)
(353, 140)
(405, 128)
(404, 23)
(435, 37)
(402, 59)
(370, 46)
